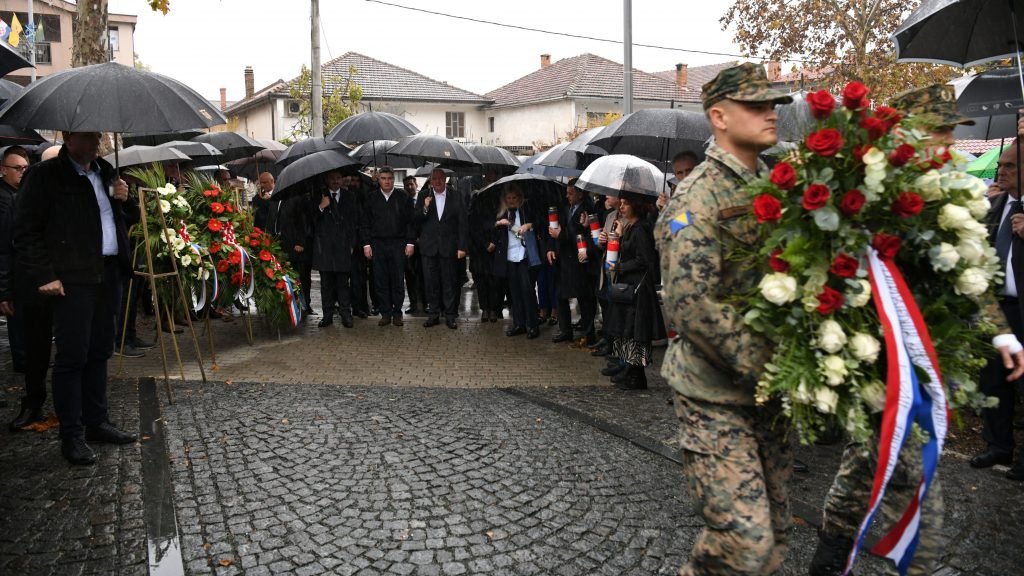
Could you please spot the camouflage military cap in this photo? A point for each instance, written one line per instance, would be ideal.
(744, 83)
(937, 102)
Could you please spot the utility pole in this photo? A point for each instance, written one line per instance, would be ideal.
(32, 39)
(627, 60)
(316, 99)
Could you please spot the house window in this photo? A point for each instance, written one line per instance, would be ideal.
(115, 41)
(490, 124)
(455, 124)
(596, 119)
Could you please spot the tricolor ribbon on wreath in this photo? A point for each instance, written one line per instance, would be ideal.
(244, 293)
(294, 310)
(908, 400)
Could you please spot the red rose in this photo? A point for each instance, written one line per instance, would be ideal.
(829, 301)
(845, 266)
(860, 151)
(255, 232)
(854, 95)
(265, 256)
(852, 202)
(229, 207)
(887, 245)
(214, 247)
(236, 278)
(890, 116)
(235, 257)
(908, 204)
(876, 128)
(776, 263)
(223, 265)
(254, 243)
(269, 272)
(210, 193)
(826, 142)
(821, 103)
(816, 196)
(783, 176)
(217, 208)
(939, 157)
(901, 155)
(214, 225)
(280, 285)
(767, 208)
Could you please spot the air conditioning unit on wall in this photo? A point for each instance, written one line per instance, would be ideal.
(293, 107)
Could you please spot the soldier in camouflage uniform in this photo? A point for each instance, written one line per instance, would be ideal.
(933, 108)
(737, 461)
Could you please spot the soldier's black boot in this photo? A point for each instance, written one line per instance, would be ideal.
(830, 557)
(636, 379)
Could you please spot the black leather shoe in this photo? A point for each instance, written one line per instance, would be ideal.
(384, 321)
(451, 323)
(1016, 472)
(560, 337)
(515, 331)
(532, 333)
(107, 434)
(325, 322)
(361, 313)
(309, 312)
(397, 321)
(601, 351)
(140, 344)
(830, 555)
(614, 370)
(26, 417)
(76, 451)
(599, 344)
(990, 458)
(431, 322)
(635, 379)
(346, 321)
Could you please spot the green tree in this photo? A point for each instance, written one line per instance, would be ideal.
(843, 40)
(89, 33)
(338, 104)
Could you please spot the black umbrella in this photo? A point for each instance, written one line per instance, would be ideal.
(656, 134)
(9, 136)
(313, 165)
(991, 99)
(11, 60)
(539, 191)
(9, 90)
(157, 138)
(110, 97)
(375, 153)
(194, 150)
(138, 155)
(232, 145)
(429, 148)
(425, 170)
(531, 165)
(307, 147)
(494, 158)
(794, 120)
(372, 126)
(960, 32)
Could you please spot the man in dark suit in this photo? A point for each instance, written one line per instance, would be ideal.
(335, 234)
(388, 241)
(577, 275)
(444, 237)
(295, 230)
(73, 247)
(413, 266)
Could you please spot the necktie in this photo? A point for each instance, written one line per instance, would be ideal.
(337, 197)
(1004, 237)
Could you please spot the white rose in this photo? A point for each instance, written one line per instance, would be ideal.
(929, 186)
(953, 217)
(802, 395)
(858, 299)
(186, 260)
(873, 395)
(973, 229)
(873, 156)
(178, 244)
(827, 219)
(166, 189)
(168, 234)
(831, 337)
(825, 400)
(778, 288)
(971, 250)
(833, 368)
(944, 257)
(972, 282)
(979, 207)
(865, 347)
(204, 274)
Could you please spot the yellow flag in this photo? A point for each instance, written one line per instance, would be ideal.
(16, 29)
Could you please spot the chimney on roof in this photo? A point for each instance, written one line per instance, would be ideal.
(250, 82)
(773, 69)
(681, 75)
(545, 60)
(223, 99)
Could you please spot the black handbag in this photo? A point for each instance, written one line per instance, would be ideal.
(624, 292)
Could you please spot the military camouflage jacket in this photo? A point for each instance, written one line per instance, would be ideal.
(716, 357)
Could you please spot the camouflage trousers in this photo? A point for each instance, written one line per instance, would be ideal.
(738, 468)
(847, 500)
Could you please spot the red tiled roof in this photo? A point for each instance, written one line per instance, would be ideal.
(979, 147)
(697, 76)
(805, 74)
(586, 76)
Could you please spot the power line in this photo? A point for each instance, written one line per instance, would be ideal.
(569, 35)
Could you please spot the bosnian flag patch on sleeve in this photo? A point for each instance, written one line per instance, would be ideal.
(681, 220)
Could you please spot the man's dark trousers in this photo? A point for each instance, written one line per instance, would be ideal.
(389, 275)
(335, 291)
(998, 429)
(439, 277)
(84, 332)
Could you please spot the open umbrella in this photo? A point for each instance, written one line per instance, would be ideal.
(960, 33)
(577, 154)
(372, 126)
(616, 173)
(157, 138)
(991, 99)
(794, 120)
(657, 134)
(194, 150)
(540, 192)
(11, 60)
(984, 166)
(313, 165)
(138, 155)
(232, 145)
(531, 166)
(430, 148)
(9, 136)
(425, 170)
(9, 90)
(494, 158)
(307, 147)
(375, 153)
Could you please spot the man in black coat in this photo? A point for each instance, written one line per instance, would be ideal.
(576, 279)
(335, 236)
(413, 266)
(444, 237)
(388, 241)
(73, 247)
(295, 232)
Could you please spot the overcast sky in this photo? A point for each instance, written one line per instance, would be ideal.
(208, 43)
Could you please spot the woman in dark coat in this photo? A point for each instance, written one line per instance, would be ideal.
(577, 277)
(635, 325)
(517, 248)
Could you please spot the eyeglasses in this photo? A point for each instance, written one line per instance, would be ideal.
(18, 168)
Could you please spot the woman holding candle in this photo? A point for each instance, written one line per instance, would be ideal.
(517, 248)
